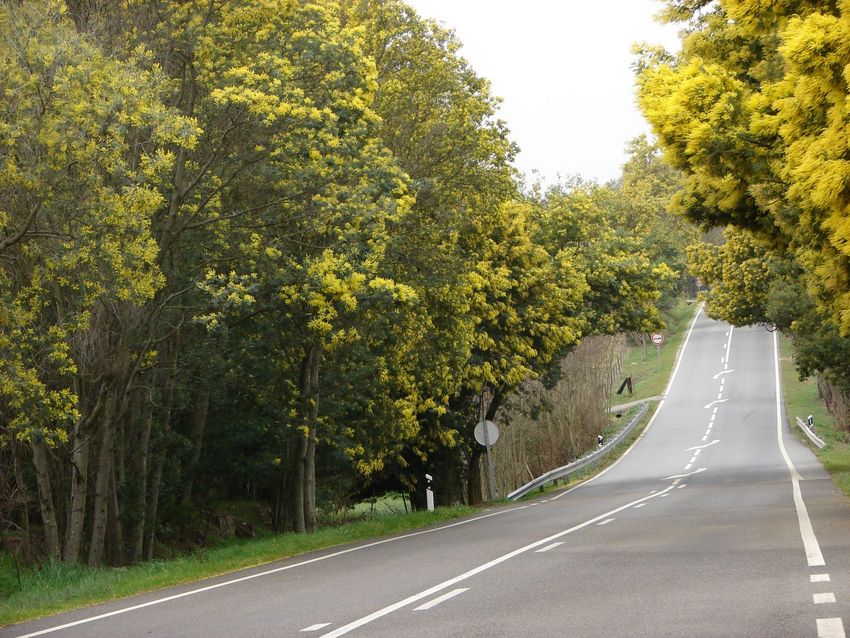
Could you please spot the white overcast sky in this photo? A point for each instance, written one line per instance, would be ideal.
(562, 68)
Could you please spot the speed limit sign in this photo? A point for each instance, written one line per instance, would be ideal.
(657, 338)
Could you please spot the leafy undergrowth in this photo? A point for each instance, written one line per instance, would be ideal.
(54, 587)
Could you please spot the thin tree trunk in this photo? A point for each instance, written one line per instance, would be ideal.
(79, 480)
(135, 488)
(173, 345)
(101, 487)
(310, 461)
(115, 538)
(25, 499)
(199, 423)
(45, 499)
(298, 489)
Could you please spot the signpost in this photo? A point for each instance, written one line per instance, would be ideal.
(486, 433)
(657, 339)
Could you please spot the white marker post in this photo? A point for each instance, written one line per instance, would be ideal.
(429, 493)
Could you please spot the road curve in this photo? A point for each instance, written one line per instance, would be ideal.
(718, 522)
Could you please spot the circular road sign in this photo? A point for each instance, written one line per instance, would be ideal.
(657, 338)
(492, 432)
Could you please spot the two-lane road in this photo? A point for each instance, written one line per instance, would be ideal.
(718, 522)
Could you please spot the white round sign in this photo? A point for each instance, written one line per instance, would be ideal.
(657, 338)
(492, 432)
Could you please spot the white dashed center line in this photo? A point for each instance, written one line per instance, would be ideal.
(548, 547)
(819, 578)
(441, 599)
(830, 628)
(316, 627)
(819, 599)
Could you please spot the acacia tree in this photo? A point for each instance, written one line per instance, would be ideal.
(752, 110)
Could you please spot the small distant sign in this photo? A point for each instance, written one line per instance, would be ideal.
(657, 338)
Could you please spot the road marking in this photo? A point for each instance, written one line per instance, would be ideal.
(819, 578)
(275, 570)
(688, 466)
(365, 620)
(441, 599)
(702, 447)
(820, 599)
(705, 438)
(830, 628)
(606, 521)
(682, 485)
(316, 627)
(714, 412)
(718, 400)
(719, 374)
(693, 459)
(637, 507)
(807, 532)
(664, 496)
(696, 452)
(548, 547)
(677, 481)
(719, 395)
(729, 344)
(681, 476)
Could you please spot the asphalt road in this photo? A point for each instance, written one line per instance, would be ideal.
(718, 522)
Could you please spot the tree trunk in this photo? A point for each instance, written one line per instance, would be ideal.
(45, 499)
(135, 487)
(199, 423)
(79, 480)
(102, 481)
(25, 499)
(300, 464)
(313, 417)
(172, 345)
(304, 483)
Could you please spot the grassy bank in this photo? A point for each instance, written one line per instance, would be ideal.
(55, 587)
(650, 369)
(801, 400)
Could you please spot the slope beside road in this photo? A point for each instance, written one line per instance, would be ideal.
(717, 522)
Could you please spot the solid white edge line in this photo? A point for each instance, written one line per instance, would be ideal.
(365, 620)
(729, 344)
(680, 356)
(830, 628)
(807, 532)
(441, 599)
(234, 581)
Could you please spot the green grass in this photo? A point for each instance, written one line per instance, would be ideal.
(56, 587)
(650, 376)
(801, 400)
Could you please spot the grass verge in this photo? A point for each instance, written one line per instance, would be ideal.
(801, 400)
(55, 587)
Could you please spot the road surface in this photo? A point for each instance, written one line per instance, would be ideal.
(718, 522)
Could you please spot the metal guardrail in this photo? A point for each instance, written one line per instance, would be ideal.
(581, 463)
(814, 438)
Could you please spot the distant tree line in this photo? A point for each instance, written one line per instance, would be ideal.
(275, 251)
